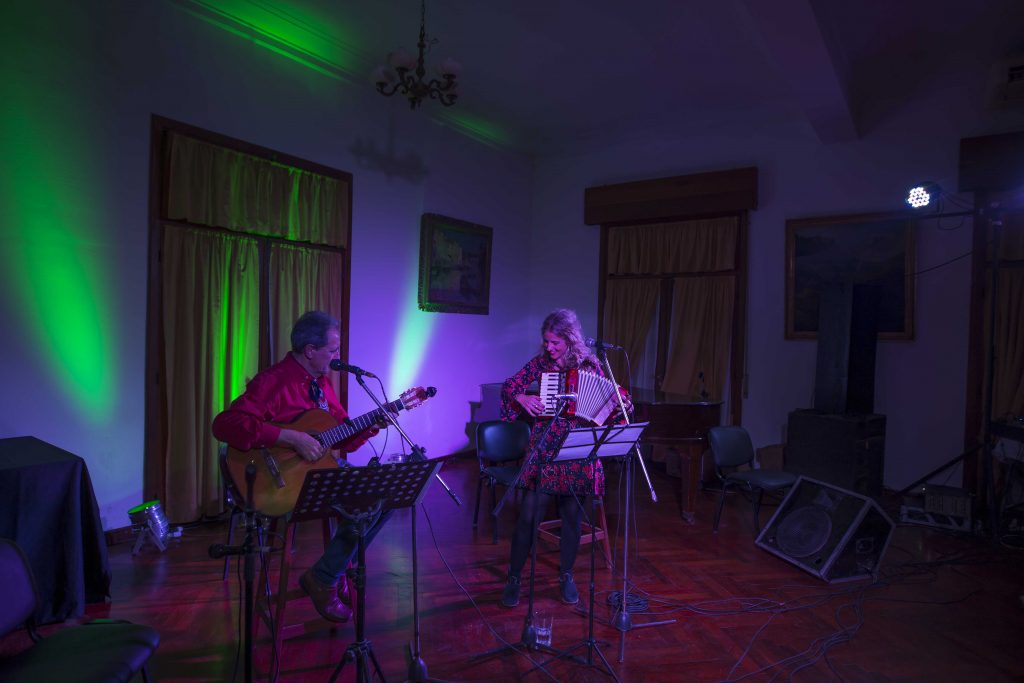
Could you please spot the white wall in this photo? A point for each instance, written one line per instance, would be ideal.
(920, 385)
(81, 81)
(95, 73)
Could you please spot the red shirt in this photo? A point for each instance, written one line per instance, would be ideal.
(278, 394)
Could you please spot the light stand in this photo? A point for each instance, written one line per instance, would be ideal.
(988, 476)
(417, 668)
(622, 619)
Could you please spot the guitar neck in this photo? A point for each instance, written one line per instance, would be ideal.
(354, 425)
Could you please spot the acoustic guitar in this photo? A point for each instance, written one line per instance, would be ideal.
(280, 471)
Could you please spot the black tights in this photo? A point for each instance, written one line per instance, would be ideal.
(531, 513)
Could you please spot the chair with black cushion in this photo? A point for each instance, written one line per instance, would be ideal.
(732, 448)
(499, 445)
(106, 651)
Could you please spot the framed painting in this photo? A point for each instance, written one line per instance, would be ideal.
(455, 265)
(875, 250)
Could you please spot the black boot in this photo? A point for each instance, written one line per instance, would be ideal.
(510, 597)
(570, 595)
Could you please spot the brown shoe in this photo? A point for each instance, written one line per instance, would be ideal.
(325, 598)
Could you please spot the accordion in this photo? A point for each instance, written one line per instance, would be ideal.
(596, 397)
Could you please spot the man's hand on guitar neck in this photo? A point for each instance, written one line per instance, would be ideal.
(302, 443)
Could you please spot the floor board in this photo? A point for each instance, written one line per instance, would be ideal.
(945, 608)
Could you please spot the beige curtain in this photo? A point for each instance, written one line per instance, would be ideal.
(702, 318)
(302, 279)
(679, 247)
(628, 317)
(210, 305)
(702, 306)
(1008, 388)
(212, 185)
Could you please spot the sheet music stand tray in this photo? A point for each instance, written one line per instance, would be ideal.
(610, 441)
(361, 495)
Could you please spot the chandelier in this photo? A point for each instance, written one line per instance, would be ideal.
(405, 74)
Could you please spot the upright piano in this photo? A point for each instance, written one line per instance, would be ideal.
(681, 423)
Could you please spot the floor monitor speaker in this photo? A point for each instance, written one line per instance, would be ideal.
(832, 533)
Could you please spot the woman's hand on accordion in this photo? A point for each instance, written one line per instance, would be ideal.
(531, 404)
(626, 402)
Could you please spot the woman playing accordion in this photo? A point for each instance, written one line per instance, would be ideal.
(562, 350)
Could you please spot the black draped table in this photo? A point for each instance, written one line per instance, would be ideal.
(47, 506)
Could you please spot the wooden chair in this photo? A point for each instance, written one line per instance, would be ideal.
(274, 614)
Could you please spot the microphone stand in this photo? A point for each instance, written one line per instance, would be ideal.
(250, 547)
(417, 667)
(621, 619)
(418, 452)
(528, 638)
(510, 489)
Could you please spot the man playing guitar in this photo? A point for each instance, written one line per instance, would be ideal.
(282, 394)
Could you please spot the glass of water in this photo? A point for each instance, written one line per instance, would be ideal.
(542, 623)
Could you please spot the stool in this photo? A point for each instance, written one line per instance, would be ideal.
(551, 530)
(279, 629)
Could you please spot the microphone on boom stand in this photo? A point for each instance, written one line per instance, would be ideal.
(250, 548)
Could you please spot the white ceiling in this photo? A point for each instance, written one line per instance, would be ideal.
(563, 74)
(587, 72)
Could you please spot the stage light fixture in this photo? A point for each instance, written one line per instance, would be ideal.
(922, 195)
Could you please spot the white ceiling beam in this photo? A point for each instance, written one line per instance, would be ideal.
(806, 56)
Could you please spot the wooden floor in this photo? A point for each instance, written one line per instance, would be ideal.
(946, 608)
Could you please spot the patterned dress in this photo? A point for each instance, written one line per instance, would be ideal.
(563, 478)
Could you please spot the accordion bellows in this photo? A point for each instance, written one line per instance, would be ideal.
(595, 395)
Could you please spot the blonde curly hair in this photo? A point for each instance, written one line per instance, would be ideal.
(563, 323)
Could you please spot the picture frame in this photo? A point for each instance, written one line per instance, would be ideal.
(455, 265)
(872, 249)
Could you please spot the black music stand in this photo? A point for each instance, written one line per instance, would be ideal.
(611, 441)
(361, 495)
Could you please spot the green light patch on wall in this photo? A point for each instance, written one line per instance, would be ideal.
(54, 263)
(412, 336)
(288, 29)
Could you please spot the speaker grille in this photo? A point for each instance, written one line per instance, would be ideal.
(804, 532)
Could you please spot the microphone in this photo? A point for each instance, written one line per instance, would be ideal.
(339, 366)
(219, 550)
(598, 344)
